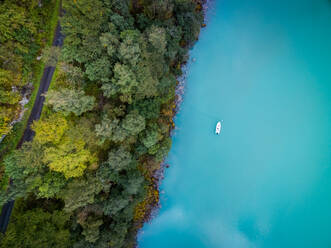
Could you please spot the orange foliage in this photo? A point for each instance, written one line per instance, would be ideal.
(144, 208)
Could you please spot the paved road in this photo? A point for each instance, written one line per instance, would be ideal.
(34, 115)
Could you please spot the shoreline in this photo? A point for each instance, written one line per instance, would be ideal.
(152, 210)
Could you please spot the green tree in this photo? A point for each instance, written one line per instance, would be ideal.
(30, 174)
(119, 134)
(119, 159)
(80, 192)
(151, 137)
(157, 38)
(106, 128)
(163, 150)
(99, 70)
(25, 166)
(70, 101)
(51, 55)
(134, 123)
(115, 204)
(148, 108)
(130, 48)
(124, 83)
(110, 42)
(133, 182)
(90, 223)
(72, 74)
(51, 184)
(38, 228)
(121, 60)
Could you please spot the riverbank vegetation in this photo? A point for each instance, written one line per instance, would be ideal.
(89, 172)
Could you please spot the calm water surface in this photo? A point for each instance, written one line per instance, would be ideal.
(262, 66)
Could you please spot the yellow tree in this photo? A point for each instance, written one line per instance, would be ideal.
(65, 148)
(4, 125)
(50, 130)
(70, 157)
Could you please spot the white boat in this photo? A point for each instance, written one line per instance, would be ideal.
(218, 127)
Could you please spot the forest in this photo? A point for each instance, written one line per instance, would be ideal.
(87, 179)
(24, 30)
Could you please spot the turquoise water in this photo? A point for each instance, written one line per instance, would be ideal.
(262, 66)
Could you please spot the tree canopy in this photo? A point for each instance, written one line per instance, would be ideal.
(24, 29)
(106, 125)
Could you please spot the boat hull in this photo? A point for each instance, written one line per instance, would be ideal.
(218, 128)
